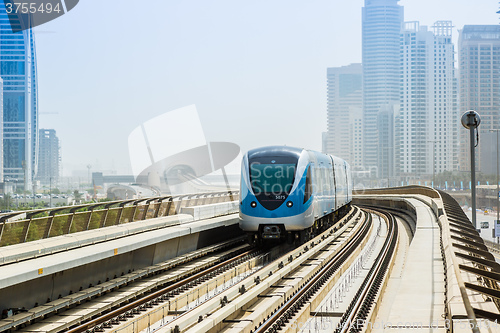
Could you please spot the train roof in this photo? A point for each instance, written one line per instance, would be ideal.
(275, 151)
(289, 151)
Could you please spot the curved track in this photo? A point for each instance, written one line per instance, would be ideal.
(357, 313)
(281, 317)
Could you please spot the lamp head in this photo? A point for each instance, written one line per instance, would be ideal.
(470, 119)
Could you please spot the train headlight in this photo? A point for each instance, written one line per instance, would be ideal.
(289, 204)
(253, 204)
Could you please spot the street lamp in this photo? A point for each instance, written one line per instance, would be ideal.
(25, 179)
(433, 161)
(34, 195)
(498, 190)
(388, 159)
(89, 167)
(471, 120)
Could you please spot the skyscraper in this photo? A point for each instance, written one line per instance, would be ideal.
(479, 71)
(20, 102)
(382, 21)
(49, 157)
(345, 113)
(428, 118)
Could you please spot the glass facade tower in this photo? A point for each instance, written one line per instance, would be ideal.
(382, 21)
(20, 102)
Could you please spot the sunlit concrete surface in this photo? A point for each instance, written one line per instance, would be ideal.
(35, 280)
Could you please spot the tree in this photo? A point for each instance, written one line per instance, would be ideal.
(6, 202)
(78, 196)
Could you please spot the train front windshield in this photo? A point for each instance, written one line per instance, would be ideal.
(272, 179)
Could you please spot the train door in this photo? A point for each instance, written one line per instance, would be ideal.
(346, 183)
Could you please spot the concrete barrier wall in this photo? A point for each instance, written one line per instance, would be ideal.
(67, 277)
(212, 210)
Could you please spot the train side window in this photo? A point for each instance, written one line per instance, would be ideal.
(308, 189)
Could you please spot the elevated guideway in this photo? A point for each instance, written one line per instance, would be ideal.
(442, 276)
(52, 273)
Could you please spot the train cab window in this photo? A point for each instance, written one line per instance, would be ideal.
(272, 179)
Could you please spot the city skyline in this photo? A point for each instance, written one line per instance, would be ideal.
(280, 66)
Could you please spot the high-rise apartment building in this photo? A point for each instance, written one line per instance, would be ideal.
(20, 102)
(49, 157)
(427, 129)
(382, 21)
(479, 72)
(344, 136)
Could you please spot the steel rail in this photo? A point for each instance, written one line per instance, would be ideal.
(280, 317)
(159, 293)
(359, 307)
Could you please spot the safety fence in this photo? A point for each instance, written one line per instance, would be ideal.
(51, 222)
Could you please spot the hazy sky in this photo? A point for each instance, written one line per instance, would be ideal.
(256, 70)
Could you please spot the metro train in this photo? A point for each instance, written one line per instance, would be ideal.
(290, 193)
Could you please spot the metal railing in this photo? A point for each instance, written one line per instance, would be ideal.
(57, 221)
(411, 189)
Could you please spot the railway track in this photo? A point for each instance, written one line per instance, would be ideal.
(144, 283)
(247, 294)
(288, 300)
(357, 315)
(270, 287)
(281, 317)
(295, 314)
(108, 320)
(184, 285)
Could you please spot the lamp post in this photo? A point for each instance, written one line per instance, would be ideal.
(89, 167)
(433, 161)
(498, 189)
(471, 120)
(387, 150)
(25, 179)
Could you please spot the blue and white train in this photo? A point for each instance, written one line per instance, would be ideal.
(291, 193)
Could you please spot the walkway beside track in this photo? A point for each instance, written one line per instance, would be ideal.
(417, 295)
(450, 282)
